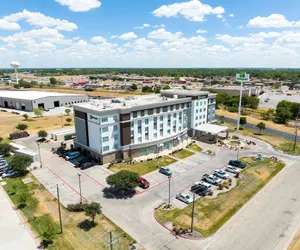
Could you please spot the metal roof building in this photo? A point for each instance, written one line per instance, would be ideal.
(29, 100)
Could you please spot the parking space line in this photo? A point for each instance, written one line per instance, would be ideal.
(91, 178)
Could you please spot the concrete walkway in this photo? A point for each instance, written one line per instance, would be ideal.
(15, 234)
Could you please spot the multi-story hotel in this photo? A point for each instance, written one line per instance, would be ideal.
(130, 127)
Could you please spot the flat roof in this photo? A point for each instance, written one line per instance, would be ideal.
(211, 128)
(32, 95)
(129, 102)
(184, 92)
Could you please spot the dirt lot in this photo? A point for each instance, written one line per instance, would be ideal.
(9, 121)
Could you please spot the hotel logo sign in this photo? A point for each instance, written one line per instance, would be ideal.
(94, 118)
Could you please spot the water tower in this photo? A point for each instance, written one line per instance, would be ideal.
(15, 66)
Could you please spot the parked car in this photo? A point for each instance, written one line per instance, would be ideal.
(184, 197)
(3, 163)
(144, 183)
(211, 179)
(72, 155)
(166, 171)
(202, 183)
(9, 173)
(221, 174)
(232, 169)
(200, 189)
(87, 165)
(237, 163)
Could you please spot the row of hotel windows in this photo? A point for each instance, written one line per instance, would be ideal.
(161, 118)
(107, 148)
(200, 103)
(175, 107)
(105, 119)
(200, 110)
(105, 129)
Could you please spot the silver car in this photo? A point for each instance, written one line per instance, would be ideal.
(184, 197)
(232, 169)
(221, 174)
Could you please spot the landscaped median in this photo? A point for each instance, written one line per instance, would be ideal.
(144, 167)
(194, 147)
(40, 209)
(212, 213)
(182, 153)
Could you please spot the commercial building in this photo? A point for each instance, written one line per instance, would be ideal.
(29, 100)
(128, 128)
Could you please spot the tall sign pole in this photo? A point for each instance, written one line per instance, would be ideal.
(59, 212)
(242, 78)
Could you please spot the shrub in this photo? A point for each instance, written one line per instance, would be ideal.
(230, 181)
(226, 184)
(220, 186)
(75, 207)
(210, 193)
(233, 109)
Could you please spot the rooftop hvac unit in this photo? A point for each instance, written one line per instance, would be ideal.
(105, 105)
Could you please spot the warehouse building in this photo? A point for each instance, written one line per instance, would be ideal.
(135, 126)
(29, 100)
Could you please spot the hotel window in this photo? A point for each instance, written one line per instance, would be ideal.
(139, 114)
(203, 116)
(146, 112)
(104, 119)
(161, 126)
(174, 129)
(197, 117)
(105, 139)
(185, 105)
(139, 130)
(154, 111)
(196, 124)
(115, 118)
(161, 110)
(204, 109)
(147, 129)
(197, 110)
(139, 123)
(200, 110)
(106, 148)
(115, 127)
(116, 137)
(200, 103)
(204, 102)
(197, 103)
(174, 115)
(200, 117)
(147, 137)
(169, 108)
(147, 121)
(132, 124)
(140, 139)
(161, 133)
(169, 131)
(161, 118)
(155, 135)
(116, 146)
(105, 129)
(179, 128)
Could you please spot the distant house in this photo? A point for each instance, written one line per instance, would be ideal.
(79, 84)
(148, 81)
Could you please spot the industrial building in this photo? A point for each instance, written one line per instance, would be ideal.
(141, 125)
(29, 100)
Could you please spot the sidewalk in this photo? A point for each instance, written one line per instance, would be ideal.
(14, 233)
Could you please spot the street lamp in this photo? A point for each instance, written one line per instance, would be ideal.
(169, 204)
(193, 214)
(79, 179)
(41, 164)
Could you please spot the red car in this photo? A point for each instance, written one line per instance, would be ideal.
(144, 183)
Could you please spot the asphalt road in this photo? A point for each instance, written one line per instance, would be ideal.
(270, 131)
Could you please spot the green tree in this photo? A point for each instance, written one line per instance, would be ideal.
(222, 118)
(92, 210)
(68, 111)
(123, 180)
(43, 134)
(21, 126)
(53, 81)
(38, 112)
(166, 87)
(5, 149)
(268, 114)
(243, 121)
(261, 126)
(20, 163)
(25, 117)
(69, 120)
(23, 198)
(134, 87)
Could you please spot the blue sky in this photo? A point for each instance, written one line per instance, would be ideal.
(150, 33)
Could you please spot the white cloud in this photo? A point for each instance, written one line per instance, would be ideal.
(6, 25)
(231, 15)
(41, 20)
(80, 5)
(219, 16)
(201, 31)
(113, 37)
(145, 25)
(193, 10)
(98, 39)
(233, 40)
(162, 34)
(128, 36)
(272, 21)
(241, 26)
(270, 34)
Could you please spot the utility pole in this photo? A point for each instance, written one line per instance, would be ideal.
(169, 204)
(193, 214)
(110, 240)
(41, 164)
(296, 131)
(79, 175)
(240, 107)
(58, 200)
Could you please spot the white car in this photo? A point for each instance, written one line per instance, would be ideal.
(184, 197)
(202, 183)
(212, 179)
(232, 169)
(221, 174)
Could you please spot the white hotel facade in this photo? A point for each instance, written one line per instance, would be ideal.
(127, 128)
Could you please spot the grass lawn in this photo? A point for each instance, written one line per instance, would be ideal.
(145, 167)
(182, 154)
(211, 214)
(194, 147)
(289, 147)
(42, 214)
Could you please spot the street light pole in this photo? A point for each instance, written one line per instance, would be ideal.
(193, 214)
(79, 175)
(41, 163)
(169, 204)
(296, 131)
(58, 201)
(240, 106)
